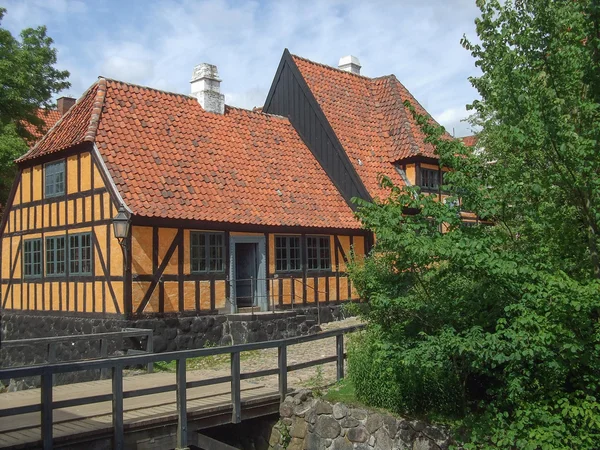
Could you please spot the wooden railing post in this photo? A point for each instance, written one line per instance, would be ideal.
(236, 395)
(182, 425)
(117, 407)
(282, 364)
(103, 354)
(46, 419)
(339, 346)
(150, 349)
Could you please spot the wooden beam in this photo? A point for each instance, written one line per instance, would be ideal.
(163, 265)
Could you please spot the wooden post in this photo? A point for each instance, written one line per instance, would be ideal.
(51, 352)
(282, 364)
(182, 425)
(46, 418)
(150, 349)
(236, 399)
(103, 354)
(339, 346)
(117, 408)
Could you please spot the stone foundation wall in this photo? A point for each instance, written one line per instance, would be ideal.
(169, 334)
(310, 424)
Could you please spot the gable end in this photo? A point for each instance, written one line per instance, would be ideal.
(291, 97)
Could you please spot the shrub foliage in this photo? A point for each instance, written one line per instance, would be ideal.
(495, 327)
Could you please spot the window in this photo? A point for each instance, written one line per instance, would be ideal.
(32, 258)
(318, 252)
(54, 174)
(207, 252)
(287, 254)
(430, 178)
(55, 256)
(80, 254)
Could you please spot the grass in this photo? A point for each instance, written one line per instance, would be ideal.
(204, 362)
(344, 392)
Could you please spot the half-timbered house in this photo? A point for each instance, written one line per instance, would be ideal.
(222, 208)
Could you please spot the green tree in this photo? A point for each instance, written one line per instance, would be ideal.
(28, 79)
(497, 327)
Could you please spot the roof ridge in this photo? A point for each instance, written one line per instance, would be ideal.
(147, 87)
(258, 113)
(56, 124)
(364, 77)
(90, 135)
(394, 90)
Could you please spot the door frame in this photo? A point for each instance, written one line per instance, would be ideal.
(261, 282)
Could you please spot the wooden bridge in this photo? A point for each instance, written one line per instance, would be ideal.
(120, 410)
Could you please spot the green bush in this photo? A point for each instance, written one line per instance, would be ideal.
(382, 379)
(495, 328)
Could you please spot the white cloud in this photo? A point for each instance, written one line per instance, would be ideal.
(158, 43)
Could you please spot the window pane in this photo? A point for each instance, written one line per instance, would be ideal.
(74, 254)
(198, 252)
(312, 253)
(295, 258)
(216, 252)
(54, 179)
(86, 254)
(281, 254)
(50, 256)
(325, 259)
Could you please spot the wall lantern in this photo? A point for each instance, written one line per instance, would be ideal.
(121, 224)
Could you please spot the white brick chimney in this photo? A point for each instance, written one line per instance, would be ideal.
(350, 64)
(206, 87)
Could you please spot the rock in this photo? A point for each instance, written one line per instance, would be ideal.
(358, 434)
(341, 443)
(327, 427)
(406, 437)
(323, 408)
(434, 433)
(314, 442)
(298, 429)
(372, 441)
(418, 425)
(359, 414)
(286, 421)
(311, 417)
(374, 422)
(286, 409)
(424, 444)
(275, 437)
(349, 422)
(296, 444)
(301, 409)
(384, 442)
(304, 394)
(390, 425)
(340, 411)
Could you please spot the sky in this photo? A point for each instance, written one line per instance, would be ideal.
(157, 43)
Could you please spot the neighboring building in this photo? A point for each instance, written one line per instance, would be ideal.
(225, 206)
(49, 117)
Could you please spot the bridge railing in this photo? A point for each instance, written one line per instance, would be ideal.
(51, 343)
(117, 364)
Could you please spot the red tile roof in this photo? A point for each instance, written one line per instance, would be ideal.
(369, 118)
(76, 126)
(49, 117)
(171, 159)
(469, 141)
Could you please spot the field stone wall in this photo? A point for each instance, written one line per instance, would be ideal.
(169, 334)
(308, 423)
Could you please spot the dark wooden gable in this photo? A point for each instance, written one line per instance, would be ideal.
(291, 97)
